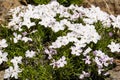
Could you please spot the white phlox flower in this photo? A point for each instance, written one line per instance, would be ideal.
(87, 60)
(16, 60)
(3, 57)
(12, 72)
(26, 39)
(30, 53)
(76, 50)
(3, 44)
(59, 63)
(84, 74)
(17, 37)
(50, 52)
(102, 60)
(114, 47)
(115, 21)
(87, 51)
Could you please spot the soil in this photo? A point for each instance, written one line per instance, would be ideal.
(5, 6)
(110, 6)
(115, 72)
(1, 75)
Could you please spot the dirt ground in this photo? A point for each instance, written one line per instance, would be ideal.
(5, 5)
(110, 6)
(1, 75)
(115, 72)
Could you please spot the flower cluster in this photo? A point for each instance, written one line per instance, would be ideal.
(3, 55)
(86, 34)
(84, 74)
(3, 44)
(13, 71)
(114, 47)
(60, 63)
(30, 54)
(79, 34)
(102, 60)
(46, 13)
(50, 52)
(18, 37)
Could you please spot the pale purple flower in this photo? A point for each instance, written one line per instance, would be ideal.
(94, 52)
(87, 60)
(110, 34)
(87, 51)
(98, 62)
(54, 63)
(24, 33)
(50, 52)
(101, 59)
(84, 74)
(60, 63)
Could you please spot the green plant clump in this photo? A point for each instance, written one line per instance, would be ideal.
(54, 42)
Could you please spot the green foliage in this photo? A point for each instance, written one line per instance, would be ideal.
(69, 2)
(36, 72)
(38, 67)
(41, 1)
(63, 2)
(105, 39)
(38, 1)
